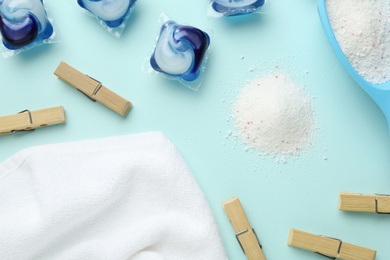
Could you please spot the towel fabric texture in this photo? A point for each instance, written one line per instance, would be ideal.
(128, 197)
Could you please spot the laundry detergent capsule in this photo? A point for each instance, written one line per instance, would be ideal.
(235, 7)
(180, 50)
(23, 22)
(112, 13)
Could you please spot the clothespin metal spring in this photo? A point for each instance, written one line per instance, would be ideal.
(243, 232)
(27, 129)
(377, 205)
(338, 250)
(98, 87)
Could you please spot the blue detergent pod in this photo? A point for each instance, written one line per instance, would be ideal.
(112, 13)
(23, 22)
(236, 7)
(179, 51)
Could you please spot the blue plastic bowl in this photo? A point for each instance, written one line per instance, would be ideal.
(380, 93)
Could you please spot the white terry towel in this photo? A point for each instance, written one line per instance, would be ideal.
(129, 197)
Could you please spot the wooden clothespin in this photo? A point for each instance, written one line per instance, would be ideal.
(245, 234)
(364, 202)
(329, 247)
(29, 120)
(93, 89)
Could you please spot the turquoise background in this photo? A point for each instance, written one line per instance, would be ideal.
(350, 151)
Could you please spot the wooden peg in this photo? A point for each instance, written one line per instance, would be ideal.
(30, 120)
(245, 234)
(93, 89)
(364, 202)
(329, 247)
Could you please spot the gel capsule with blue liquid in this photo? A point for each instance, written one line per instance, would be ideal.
(179, 51)
(112, 12)
(23, 22)
(236, 7)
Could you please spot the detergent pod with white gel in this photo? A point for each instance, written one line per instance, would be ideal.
(180, 52)
(219, 8)
(111, 14)
(24, 24)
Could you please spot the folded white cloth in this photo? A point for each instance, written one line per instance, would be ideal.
(129, 197)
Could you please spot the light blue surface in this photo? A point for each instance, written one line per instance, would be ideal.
(351, 150)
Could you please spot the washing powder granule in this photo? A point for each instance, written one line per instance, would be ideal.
(274, 114)
(362, 29)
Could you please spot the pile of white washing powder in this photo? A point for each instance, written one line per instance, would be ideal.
(274, 115)
(362, 29)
